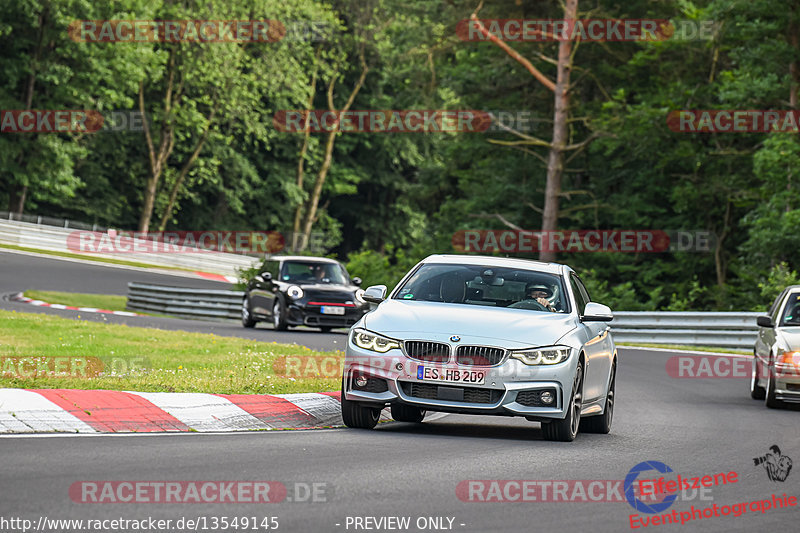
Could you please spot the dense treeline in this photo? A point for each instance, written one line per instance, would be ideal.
(211, 157)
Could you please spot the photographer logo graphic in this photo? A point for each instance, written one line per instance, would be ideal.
(630, 484)
(777, 466)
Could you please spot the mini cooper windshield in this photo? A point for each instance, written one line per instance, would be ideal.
(487, 286)
(313, 272)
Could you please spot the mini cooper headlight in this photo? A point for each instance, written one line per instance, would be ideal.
(370, 341)
(294, 292)
(550, 355)
(360, 296)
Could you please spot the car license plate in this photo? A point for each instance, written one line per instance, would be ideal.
(331, 310)
(450, 375)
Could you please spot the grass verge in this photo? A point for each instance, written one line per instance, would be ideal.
(85, 257)
(688, 348)
(142, 359)
(109, 302)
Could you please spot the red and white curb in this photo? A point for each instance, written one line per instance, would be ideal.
(106, 411)
(216, 277)
(19, 297)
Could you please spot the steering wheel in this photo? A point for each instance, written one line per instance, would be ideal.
(529, 304)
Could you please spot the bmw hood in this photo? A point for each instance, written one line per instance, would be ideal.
(791, 337)
(438, 321)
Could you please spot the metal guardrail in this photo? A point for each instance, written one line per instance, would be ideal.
(184, 302)
(719, 329)
(48, 237)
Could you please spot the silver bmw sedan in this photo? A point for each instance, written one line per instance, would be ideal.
(487, 336)
(776, 362)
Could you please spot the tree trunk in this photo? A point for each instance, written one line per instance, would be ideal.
(18, 193)
(719, 259)
(313, 203)
(298, 211)
(16, 199)
(173, 195)
(158, 159)
(555, 161)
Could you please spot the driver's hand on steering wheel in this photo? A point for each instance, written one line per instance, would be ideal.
(544, 302)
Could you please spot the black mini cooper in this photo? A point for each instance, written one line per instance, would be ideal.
(301, 290)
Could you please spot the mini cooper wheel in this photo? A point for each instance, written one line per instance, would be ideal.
(279, 314)
(358, 416)
(770, 400)
(247, 316)
(566, 429)
(407, 413)
(757, 392)
(602, 423)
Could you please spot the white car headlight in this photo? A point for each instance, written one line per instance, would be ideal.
(550, 355)
(360, 296)
(370, 341)
(294, 292)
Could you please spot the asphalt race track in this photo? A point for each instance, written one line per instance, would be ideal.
(19, 272)
(413, 470)
(697, 427)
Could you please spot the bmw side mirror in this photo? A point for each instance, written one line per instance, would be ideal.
(595, 312)
(356, 281)
(375, 294)
(765, 322)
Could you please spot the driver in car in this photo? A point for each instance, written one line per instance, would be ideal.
(540, 294)
(320, 274)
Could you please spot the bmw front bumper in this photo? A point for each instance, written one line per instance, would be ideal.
(511, 388)
(787, 382)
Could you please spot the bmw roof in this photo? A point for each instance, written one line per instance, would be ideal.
(489, 260)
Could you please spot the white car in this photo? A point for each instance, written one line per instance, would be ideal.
(776, 362)
(488, 336)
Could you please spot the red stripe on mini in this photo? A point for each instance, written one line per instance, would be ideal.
(113, 411)
(331, 303)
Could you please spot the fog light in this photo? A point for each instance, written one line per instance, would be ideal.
(546, 397)
(361, 381)
(399, 366)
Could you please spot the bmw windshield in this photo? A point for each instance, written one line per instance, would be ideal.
(486, 286)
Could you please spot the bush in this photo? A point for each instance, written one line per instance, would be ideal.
(380, 269)
(780, 277)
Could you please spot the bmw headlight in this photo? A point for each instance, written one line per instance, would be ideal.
(550, 355)
(360, 296)
(370, 341)
(294, 292)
